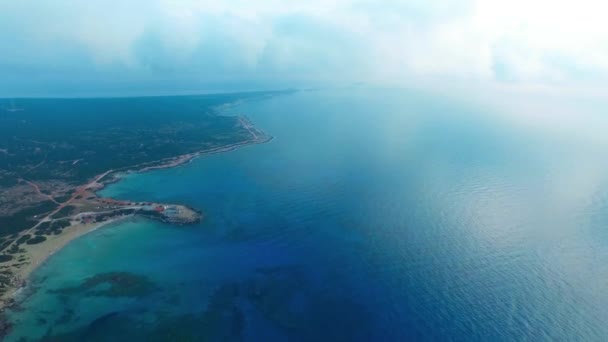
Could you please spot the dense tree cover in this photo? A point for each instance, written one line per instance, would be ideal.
(24, 218)
(72, 140)
(75, 139)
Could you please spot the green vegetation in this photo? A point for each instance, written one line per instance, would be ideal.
(65, 211)
(75, 139)
(105, 217)
(23, 239)
(36, 240)
(5, 258)
(63, 198)
(24, 218)
(55, 227)
(64, 143)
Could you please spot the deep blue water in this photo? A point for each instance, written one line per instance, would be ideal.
(372, 215)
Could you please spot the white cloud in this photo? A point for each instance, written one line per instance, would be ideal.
(521, 41)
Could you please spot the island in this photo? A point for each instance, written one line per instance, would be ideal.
(56, 154)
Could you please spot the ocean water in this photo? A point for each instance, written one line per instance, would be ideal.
(372, 215)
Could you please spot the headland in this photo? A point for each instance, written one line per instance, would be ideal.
(50, 210)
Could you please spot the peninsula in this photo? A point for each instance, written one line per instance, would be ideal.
(56, 154)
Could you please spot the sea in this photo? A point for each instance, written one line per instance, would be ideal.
(372, 215)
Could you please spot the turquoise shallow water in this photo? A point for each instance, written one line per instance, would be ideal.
(371, 216)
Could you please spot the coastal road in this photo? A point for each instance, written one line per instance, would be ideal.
(248, 126)
(37, 188)
(49, 217)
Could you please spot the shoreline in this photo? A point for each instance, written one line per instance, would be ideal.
(37, 254)
(40, 253)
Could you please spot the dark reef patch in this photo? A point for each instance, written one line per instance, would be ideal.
(281, 295)
(111, 284)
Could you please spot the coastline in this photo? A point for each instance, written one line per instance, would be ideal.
(40, 253)
(36, 255)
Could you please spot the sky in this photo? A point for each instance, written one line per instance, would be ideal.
(62, 47)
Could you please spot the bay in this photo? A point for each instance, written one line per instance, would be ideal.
(371, 215)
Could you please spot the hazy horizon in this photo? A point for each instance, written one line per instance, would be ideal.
(70, 48)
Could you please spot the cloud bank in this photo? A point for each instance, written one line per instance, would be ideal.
(55, 45)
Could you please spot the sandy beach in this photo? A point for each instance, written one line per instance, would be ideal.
(37, 254)
(31, 256)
